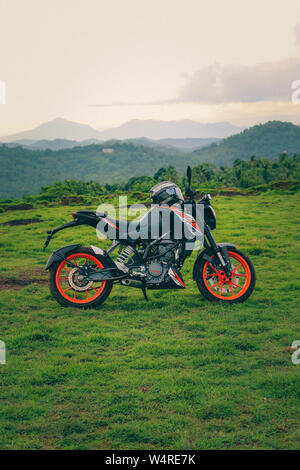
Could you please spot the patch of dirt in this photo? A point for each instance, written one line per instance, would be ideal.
(284, 184)
(18, 207)
(23, 222)
(66, 201)
(231, 193)
(35, 276)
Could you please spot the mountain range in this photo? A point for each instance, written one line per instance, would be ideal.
(63, 129)
(25, 171)
(170, 129)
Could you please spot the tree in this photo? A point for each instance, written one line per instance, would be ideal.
(167, 174)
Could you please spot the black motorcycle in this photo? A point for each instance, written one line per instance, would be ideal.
(150, 257)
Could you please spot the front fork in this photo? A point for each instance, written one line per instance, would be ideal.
(222, 256)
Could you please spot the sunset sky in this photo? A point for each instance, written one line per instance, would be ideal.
(106, 62)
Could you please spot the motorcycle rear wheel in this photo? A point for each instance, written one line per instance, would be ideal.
(68, 290)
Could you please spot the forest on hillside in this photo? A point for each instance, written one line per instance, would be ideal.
(25, 171)
(264, 140)
(252, 173)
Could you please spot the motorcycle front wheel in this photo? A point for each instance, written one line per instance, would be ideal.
(67, 287)
(215, 285)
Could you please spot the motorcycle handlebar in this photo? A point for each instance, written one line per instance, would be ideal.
(205, 199)
(190, 193)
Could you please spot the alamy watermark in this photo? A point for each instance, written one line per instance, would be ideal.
(2, 92)
(296, 92)
(172, 222)
(2, 353)
(296, 352)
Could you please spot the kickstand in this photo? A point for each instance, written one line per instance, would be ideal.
(145, 293)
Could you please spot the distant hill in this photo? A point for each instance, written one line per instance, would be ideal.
(157, 130)
(59, 144)
(264, 140)
(67, 130)
(188, 144)
(24, 171)
(166, 145)
(57, 129)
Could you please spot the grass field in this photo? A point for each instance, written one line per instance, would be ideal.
(177, 372)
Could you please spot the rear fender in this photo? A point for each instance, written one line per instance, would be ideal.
(207, 253)
(58, 255)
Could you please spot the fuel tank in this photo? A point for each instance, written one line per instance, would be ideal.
(169, 220)
(159, 220)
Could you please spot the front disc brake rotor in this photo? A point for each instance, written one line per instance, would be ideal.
(76, 281)
(213, 281)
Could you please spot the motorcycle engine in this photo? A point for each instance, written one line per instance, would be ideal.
(157, 269)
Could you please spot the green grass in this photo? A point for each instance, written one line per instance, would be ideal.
(178, 372)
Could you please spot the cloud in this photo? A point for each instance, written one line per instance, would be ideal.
(117, 104)
(270, 81)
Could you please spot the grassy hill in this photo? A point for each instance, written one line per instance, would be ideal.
(264, 140)
(177, 372)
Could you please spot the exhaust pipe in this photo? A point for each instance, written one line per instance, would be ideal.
(132, 283)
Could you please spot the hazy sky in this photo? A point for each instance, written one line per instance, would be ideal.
(105, 62)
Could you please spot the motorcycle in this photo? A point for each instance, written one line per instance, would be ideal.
(83, 277)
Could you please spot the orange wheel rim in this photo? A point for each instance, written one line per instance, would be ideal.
(222, 287)
(66, 280)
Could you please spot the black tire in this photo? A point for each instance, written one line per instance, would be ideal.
(68, 303)
(213, 297)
